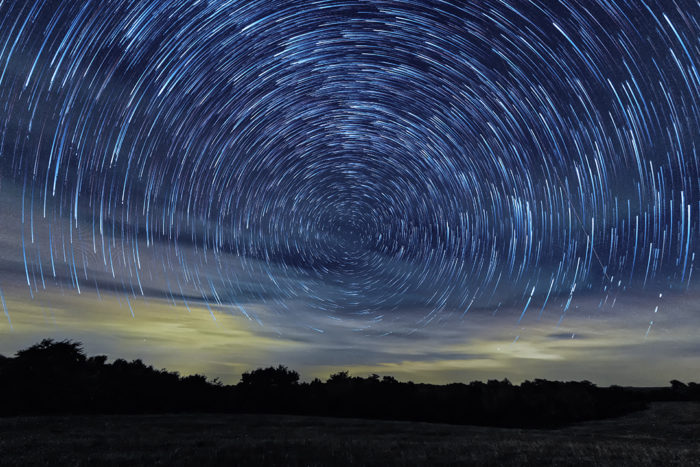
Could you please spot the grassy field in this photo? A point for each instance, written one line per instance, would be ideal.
(666, 434)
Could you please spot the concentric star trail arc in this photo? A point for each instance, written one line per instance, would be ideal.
(360, 159)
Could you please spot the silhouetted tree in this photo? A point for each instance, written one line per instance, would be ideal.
(270, 377)
(339, 378)
(50, 352)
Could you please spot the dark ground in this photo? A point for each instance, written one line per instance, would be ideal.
(666, 434)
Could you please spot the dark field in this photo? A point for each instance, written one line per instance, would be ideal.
(666, 434)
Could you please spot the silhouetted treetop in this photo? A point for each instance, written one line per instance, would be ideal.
(339, 378)
(270, 377)
(48, 350)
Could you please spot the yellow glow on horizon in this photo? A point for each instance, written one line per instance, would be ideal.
(170, 337)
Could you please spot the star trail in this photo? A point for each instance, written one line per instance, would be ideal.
(373, 165)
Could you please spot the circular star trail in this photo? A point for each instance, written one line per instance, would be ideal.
(354, 158)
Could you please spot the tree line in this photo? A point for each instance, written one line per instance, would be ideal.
(57, 377)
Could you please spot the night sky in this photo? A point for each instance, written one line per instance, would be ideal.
(436, 190)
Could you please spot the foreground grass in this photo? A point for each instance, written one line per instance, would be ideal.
(666, 434)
